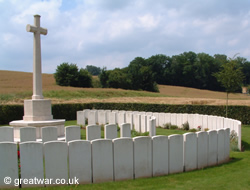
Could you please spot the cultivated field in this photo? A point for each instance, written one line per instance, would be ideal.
(17, 86)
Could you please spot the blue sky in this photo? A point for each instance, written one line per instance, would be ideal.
(112, 33)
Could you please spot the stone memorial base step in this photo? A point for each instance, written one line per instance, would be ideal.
(59, 123)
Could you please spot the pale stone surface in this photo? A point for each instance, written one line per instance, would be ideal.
(202, 149)
(144, 123)
(121, 117)
(107, 115)
(49, 134)
(160, 155)
(190, 151)
(179, 120)
(125, 130)
(196, 121)
(212, 147)
(184, 118)
(31, 161)
(112, 118)
(167, 117)
(93, 132)
(123, 159)
(142, 157)
(92, 119)
(137, 122)
(102, 160)
(162, 119)
(221, 146)
(6, 134)
(110, 131)
(226, 123)
(56, 162)
(214, 122)
(156, 115)
(129, 118)
(80, 118)
(80, 161)
(175, 148)
(149, 113)
(59, 123)
(72, 133)
(173, 119)
(37, 110)
(204, 122)
(152, 126)
(239, 135)
(27, 134)
(86, 113)
(220, 122)
(227, 145)
(191, 121)
(102, 117)
(37, 68)
(9, 165)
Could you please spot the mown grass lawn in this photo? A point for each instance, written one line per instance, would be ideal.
(233, 175)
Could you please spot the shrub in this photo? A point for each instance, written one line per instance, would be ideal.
(185, 126)
(192, 130)
(173, 127)
(234, 141)
(69, 75)
(167, 126)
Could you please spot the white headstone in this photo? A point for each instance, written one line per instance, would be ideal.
(125, 130)
(156, 115)
(129, 118)
(31, 161)
(121, 117)
(160, 155)
(6, 134)
(49, 134)
(173, 118)
(184, 118)
(137, 122)
(227, 144)
(162, 119)
(221, 146)
(56, 161)
(80, 161)
(212, 147)
(179, 121)
(112, 118)
(175, 148)
(80, 118)
(191, 121)
(9, 164)
(144, 123)
(190, 151)
(110, 131)
(72, 133)
(152, 126)
(123, 159)
(27, 134)
(204, 122)
(142, 157)
(93, 132)
(102, 117)
(92, 119)
(202, 150)
(102, 160)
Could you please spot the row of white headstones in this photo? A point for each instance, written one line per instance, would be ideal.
(147, 121)
(83, 161)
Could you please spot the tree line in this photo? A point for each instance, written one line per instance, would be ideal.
(187, 69)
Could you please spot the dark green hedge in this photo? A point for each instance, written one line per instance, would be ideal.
(68, 111)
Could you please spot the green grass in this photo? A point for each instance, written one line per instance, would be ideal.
(232, 175)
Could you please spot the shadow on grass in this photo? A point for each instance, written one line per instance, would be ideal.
(245, 145)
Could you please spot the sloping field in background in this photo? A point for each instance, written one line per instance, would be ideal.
(17, 86)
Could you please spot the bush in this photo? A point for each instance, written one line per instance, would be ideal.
(69, 75)
(173, 127)
(185, 126)
(234, 141)
(167, 126)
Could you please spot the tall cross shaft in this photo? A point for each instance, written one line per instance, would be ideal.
(37, 67)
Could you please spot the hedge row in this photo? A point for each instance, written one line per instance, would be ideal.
(68, 111)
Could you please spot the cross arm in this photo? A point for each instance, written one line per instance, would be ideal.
(30, 28)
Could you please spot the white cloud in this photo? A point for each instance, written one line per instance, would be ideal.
(112, 33)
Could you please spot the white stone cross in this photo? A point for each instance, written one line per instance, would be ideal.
(37, 68)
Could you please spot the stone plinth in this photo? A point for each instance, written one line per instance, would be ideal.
(37, 110)
(59, 123)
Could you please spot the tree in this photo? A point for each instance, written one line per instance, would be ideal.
(230, 77)
(93, 70)
(69, 75)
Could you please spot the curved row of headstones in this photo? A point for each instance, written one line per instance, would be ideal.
(82, 161)
(139, 120)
